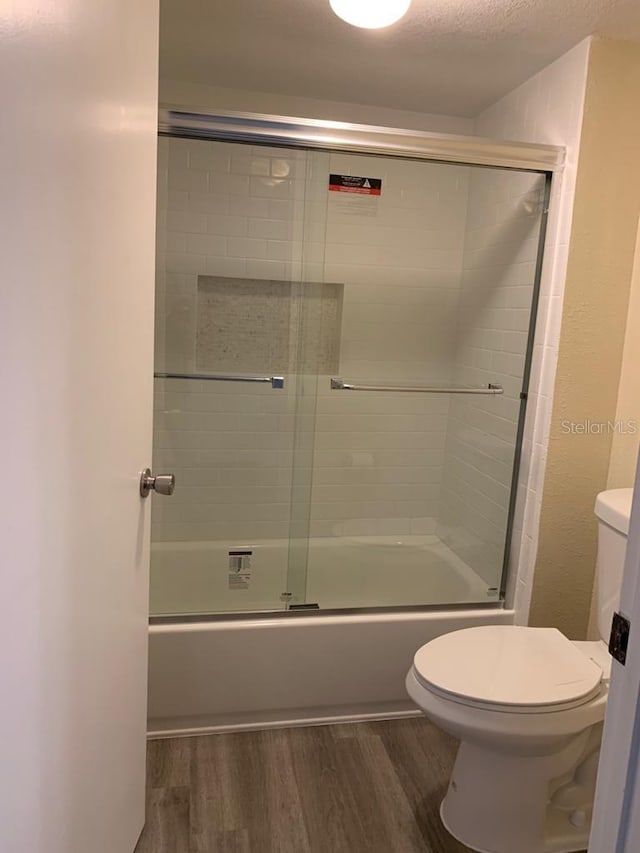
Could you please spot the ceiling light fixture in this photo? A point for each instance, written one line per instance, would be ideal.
(370, 14)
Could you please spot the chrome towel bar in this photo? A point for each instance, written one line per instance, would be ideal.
(274, 381)
(343, 385)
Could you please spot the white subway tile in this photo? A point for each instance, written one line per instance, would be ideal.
(206, 244)
(208, 156)
(249, 206)
(208, 202)
(237, 185)
(227, 226)
(247, 247)
(269, 270)
(272, 229)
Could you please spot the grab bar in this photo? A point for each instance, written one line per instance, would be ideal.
(274, 381)
(342, 385)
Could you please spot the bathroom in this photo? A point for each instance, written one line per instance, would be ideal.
(391, 365)
(372, 504)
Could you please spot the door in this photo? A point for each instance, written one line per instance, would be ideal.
(78, 142)
(616, 820)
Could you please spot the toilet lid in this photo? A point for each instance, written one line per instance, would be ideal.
(509, 668)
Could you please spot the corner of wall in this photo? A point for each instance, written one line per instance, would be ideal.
(594, 316)
(548, 108)
(626, 436)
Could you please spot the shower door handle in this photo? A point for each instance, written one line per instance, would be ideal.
(163, 484)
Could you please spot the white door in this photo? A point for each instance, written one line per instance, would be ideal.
(616, 819)
(77, 202)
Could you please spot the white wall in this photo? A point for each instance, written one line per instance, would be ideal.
(547, 108)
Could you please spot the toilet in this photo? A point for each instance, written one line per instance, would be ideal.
(527, 705)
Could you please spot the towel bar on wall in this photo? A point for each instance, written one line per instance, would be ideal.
(274, 381)
(343, 385)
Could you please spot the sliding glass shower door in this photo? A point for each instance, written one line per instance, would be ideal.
(417, 434)
(342, 356)
(239, 306)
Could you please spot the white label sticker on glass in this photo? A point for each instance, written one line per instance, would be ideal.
(240, 569)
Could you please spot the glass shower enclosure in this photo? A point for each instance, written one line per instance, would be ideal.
(343, 345)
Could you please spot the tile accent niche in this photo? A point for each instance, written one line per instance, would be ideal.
(257, 325)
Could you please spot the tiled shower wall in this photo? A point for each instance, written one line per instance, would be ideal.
(224, 210)
(378, 457)
(501, 246)
(232, 210)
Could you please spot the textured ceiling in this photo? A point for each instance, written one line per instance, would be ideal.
(447, 56)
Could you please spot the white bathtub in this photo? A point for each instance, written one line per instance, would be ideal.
(288, 669)
(258, 673)
(342, 572)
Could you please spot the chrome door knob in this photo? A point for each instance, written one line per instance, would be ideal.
(163, 484)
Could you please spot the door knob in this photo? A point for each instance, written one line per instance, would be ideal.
(163, 484)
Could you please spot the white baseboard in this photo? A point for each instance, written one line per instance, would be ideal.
(175, 728)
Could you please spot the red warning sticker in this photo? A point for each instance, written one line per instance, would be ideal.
(352, 184)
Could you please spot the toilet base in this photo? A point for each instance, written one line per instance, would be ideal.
(559, 844)
(499, 803)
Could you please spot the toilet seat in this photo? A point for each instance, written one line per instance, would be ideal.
(508, 668)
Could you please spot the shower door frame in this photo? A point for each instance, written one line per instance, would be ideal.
(314, 134)
(291, 132)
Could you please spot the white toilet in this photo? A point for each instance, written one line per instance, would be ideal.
(528, 706)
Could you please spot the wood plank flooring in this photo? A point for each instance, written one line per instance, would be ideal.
(360, 788)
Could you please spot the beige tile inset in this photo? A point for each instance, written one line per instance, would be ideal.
(256, 325)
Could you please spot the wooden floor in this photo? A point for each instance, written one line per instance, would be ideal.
(360, 788)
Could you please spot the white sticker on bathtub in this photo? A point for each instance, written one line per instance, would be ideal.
(240, 569)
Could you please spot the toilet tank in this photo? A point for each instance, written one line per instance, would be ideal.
(613, 509)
